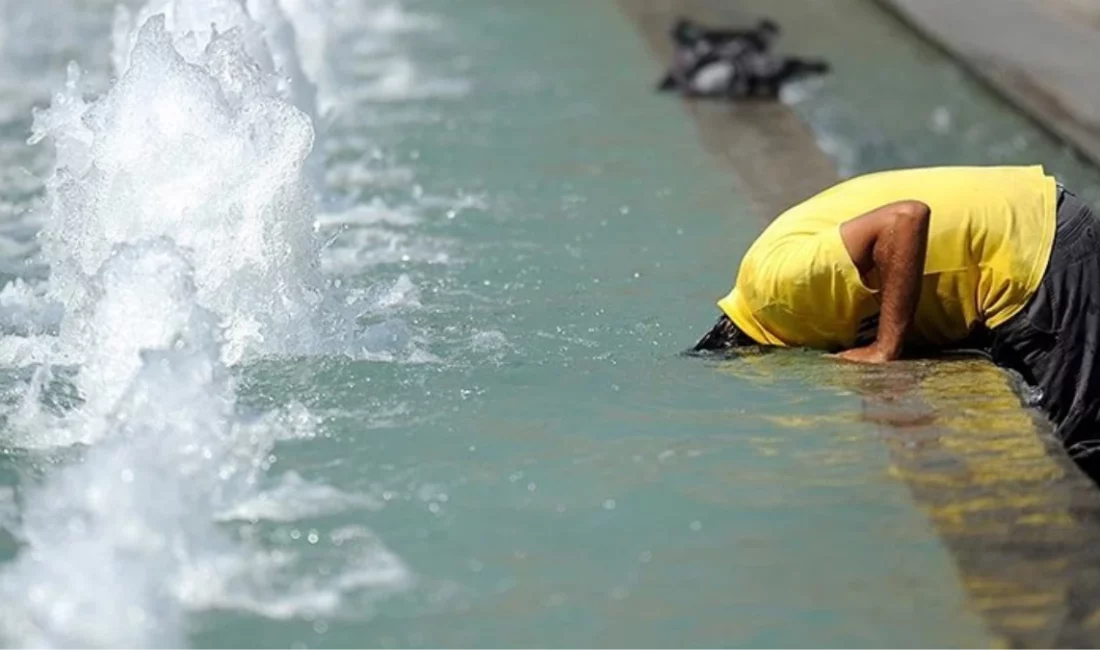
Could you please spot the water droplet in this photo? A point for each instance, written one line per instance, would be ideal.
(609, 504)
(531, 487)
(313, 536)
(295, 534)
(696, 525)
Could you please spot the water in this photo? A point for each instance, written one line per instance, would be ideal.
(360, 325)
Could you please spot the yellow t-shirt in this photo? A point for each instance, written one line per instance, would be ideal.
(990, 236)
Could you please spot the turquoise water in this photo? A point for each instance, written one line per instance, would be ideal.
(514, 451)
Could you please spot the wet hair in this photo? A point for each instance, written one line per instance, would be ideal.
(723, 336)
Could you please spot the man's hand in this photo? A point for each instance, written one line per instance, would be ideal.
(893, 241)
(869, 354)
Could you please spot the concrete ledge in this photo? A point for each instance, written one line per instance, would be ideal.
(1041, 55)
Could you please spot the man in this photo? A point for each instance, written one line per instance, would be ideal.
(903, 262)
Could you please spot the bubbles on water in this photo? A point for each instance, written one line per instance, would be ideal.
(489, 341)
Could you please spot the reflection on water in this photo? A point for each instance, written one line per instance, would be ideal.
(1020, 518)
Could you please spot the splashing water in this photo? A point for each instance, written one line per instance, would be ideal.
(266, 34)
(124, 543)
(231, 192)
(180, 240)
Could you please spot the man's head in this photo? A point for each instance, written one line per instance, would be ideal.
(723, 336)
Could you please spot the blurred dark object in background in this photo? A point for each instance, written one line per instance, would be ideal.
(731, 63)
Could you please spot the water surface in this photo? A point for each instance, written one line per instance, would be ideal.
(506, 446)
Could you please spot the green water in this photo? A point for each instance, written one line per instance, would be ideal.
(548, 466)
(600, 488)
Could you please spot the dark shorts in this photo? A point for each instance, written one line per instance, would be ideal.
(1053, 342)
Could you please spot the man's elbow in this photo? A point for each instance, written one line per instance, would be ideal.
(912, 211)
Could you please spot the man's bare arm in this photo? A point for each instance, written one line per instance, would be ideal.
(892, 240)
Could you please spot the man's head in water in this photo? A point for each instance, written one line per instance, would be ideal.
(723, 336)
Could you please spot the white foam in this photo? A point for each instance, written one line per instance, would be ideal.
(312, 26)
(124, 543)
(179, 235)
(376, 212)
(270, 585)
(106, 536)
(26, 310)
(294, 498)
(232, 194)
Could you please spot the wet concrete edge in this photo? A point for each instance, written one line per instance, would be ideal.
(1021, 521)
(1019, 88)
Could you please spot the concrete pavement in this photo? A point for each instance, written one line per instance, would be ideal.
(1041, 55)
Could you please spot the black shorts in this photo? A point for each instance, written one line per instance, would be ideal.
(1053, 343)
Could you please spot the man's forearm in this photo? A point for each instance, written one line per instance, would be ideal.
(899, 254)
